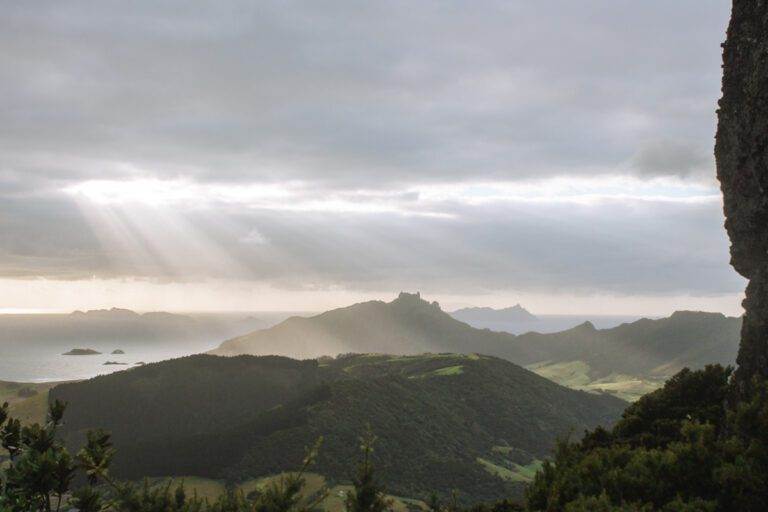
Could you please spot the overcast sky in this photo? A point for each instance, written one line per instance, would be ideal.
(300, 155)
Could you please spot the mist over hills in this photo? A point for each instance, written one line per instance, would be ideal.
(407, 325)
(657, 347)
(518, 320)
(121, 325)
(472, 423)
(644, 350)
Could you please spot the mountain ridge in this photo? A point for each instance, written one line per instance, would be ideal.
(651, 349)
(516, 313)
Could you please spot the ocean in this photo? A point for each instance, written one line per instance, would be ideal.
(46, 363)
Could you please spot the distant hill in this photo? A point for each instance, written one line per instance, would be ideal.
(657, 347)
(490, 316)
(99, 325)
(31, 345)
(630, 359)
(521, 323)
(407, 325)
(476, 424)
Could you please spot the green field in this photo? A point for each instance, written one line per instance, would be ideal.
(577, 375)
(514, 473)
(449, 370)
(27, 401)
(407, 362)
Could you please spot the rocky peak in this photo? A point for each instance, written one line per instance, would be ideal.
(414, 300)
(405, 296)
(586, 326)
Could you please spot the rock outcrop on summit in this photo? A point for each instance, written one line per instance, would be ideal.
(741, 152)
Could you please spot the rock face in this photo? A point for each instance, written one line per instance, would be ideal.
(742, 168)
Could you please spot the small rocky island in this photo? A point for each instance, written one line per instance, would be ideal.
(117, 351)
(113, 363)
(82, 352)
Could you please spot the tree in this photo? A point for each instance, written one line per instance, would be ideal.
(367, 495)
(40, 471)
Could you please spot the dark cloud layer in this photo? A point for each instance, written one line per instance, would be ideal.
(364, 102)
(361, 93)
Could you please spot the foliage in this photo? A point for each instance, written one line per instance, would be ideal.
(677, 449)
(40, 469)
(367, 495)
(239, 418)
(40, 474)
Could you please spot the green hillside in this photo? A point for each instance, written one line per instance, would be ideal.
(472, 423)
(628, 360)
(28, 401)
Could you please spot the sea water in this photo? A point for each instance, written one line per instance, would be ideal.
(46, 363)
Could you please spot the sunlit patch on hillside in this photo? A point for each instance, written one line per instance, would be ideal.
(576, 375)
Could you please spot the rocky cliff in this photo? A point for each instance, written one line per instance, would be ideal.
(741, 152)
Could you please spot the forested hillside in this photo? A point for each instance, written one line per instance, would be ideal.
(476, 424)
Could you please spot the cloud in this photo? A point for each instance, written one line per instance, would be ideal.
(367, 146)
(674, 158)
(481, 240)
(352, 96)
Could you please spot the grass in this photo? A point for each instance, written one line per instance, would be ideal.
(500, 471)
(335, 502)
(449, 370)
(205, 488)
(516, 473)
(573, 374)
(314, 483)
(404, 360)
(431, 356)
(527, 472)
(28, 409)
(576, 375)
(626, 387)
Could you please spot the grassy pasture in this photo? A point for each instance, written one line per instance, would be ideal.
(577, 375)
(27, 401)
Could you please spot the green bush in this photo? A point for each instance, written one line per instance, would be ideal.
(677, 449)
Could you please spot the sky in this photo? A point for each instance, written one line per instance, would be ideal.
(300, 156)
